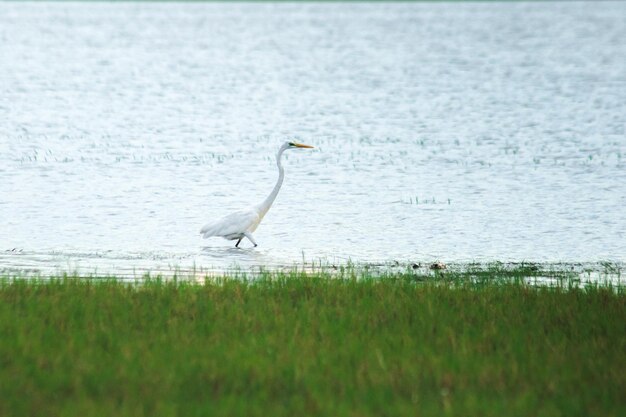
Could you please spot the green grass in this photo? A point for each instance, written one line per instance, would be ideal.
(294, 344)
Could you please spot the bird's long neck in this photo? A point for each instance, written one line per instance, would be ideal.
(265, 205)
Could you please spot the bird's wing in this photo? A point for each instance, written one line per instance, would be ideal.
(237, 222)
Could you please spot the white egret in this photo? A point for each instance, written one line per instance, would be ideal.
(240, 224)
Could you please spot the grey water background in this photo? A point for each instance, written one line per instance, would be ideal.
(456, 131)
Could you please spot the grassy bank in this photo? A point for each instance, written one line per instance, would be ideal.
(305, 345)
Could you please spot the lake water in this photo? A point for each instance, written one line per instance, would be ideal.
(457, 132)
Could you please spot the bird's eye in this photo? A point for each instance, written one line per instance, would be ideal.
(292, 144)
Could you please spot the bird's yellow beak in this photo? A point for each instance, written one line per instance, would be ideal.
(299, 145)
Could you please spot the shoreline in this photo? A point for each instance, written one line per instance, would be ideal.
(534, 273)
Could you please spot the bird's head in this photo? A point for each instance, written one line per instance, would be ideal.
(294, 145)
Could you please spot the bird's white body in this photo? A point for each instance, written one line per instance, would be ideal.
(240, 224)
(234, 225)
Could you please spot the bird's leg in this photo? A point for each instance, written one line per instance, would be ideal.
(250, 238)
(238, 242)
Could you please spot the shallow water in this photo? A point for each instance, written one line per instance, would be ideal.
(460, 132)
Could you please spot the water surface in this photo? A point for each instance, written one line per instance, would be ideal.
(460, 132)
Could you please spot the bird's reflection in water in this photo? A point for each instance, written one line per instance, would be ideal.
(241, 257)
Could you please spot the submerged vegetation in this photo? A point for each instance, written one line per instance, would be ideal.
(483, 343)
